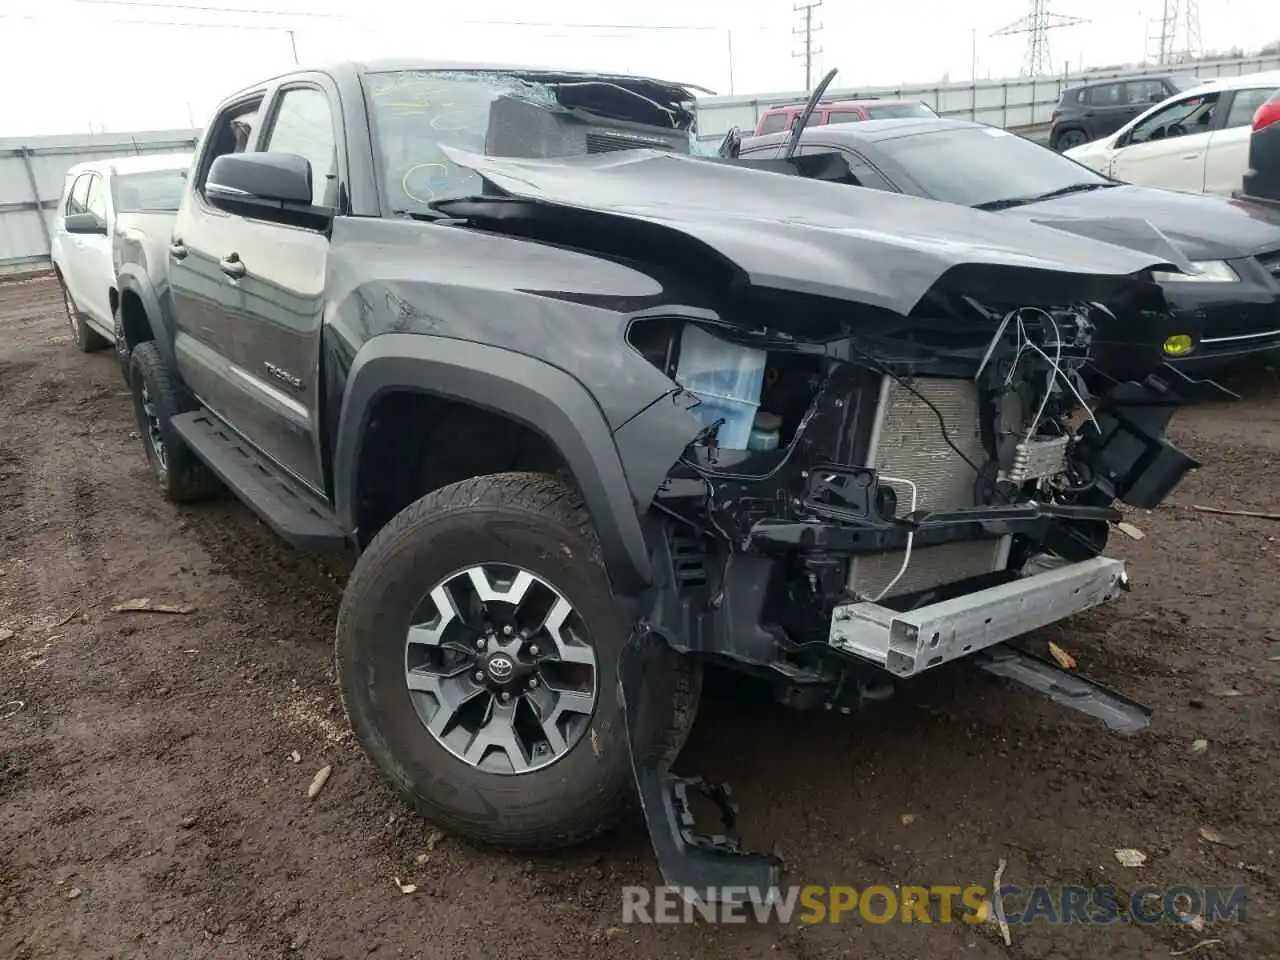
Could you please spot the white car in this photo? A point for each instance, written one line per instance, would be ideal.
(1196, 141)
(93, 194)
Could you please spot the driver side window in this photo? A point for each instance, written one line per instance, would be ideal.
(1189, 116)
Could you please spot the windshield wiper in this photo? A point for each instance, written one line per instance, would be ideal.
(1008, 202)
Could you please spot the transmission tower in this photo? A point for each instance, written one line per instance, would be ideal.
(1037, 25)
(807, 29)
(1179, 31)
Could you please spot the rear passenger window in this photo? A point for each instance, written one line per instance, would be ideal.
(303, 126)
(1107, 95)
(1145, 91)
(1245, 104)
(774, 123)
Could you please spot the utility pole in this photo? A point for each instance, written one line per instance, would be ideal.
(808, 30)
(293, 45)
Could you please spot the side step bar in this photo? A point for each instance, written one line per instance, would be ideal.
(292, 512)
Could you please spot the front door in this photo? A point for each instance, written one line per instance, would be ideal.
(1168, 148)
(249, 294)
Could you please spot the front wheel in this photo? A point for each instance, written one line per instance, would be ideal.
(477, 650)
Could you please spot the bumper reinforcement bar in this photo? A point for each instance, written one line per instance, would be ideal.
(908, 643)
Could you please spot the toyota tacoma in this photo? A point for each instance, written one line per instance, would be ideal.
(595, 413)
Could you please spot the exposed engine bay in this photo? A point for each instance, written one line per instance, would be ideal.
(836, 488)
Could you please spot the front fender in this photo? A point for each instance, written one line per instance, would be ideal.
(528, 391)
(134, 279)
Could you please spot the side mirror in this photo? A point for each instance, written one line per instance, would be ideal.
(258, 179)
(84, 223)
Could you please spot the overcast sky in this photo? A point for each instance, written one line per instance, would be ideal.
(69, 66)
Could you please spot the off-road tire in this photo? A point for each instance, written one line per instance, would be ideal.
(539, 523)
(182, 475)
(1068, 139)
(121, 344)
(83, 336)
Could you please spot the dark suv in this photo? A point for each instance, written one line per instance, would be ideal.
(1093, 110)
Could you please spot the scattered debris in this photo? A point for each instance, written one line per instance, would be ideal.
(186, 823)
(144, 605)
(1213, 836)
(1228, 692)
(1237, 513)
(11, 709)
(405, 887)
(295, 756)
(1129, 530)
(73, 893)
(996, 906)
(1065, 660)
(908, 819)
(1129, 857)
(1199, 746)
(434, 837)
(1194, 921)
(318, 781)
(421, 858)
(1193, 949)
(6, 634)
(67, 619)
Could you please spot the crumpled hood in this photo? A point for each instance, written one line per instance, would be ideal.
(1200, 226)
(805, 236)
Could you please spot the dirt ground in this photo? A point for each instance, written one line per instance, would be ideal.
(151, 805)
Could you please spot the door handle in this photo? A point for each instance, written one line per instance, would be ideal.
(1191, 156)
(233, 267)
(177, 250)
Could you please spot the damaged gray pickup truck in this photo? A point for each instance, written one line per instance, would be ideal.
(593, 423)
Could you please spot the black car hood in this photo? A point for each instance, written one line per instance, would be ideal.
(1200, 226)
(806, 236)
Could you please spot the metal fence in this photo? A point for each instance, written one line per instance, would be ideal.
(1012, 104)
(32, 172)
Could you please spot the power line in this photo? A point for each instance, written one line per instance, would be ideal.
(202, 8)
(808, 30)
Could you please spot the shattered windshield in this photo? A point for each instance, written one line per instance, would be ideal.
(979, 166)
(415, 112)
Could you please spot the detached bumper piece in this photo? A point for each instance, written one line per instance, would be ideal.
(908, 643)
(1119, 713)
(710, 865)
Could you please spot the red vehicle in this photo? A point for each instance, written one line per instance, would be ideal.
(777, 119)
(1262, 179)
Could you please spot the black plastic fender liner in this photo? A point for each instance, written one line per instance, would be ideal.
(528, 391)
(708, 867)
(133, 279)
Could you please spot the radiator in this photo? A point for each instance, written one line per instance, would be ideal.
(907, 442)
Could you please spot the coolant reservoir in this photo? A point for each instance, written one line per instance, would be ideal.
(766, 432)
(727, 378)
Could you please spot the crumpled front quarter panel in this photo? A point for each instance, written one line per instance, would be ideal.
(566, 308)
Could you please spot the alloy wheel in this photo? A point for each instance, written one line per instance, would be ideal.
(499, 669)
(155, 439)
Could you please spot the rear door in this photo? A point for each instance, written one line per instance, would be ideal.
(1227, 156)
(1105, 109)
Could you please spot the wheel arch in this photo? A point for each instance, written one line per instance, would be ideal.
(141, 314)
(518, 388)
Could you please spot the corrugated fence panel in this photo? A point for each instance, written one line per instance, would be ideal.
(1012, 103)
(32, 172)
